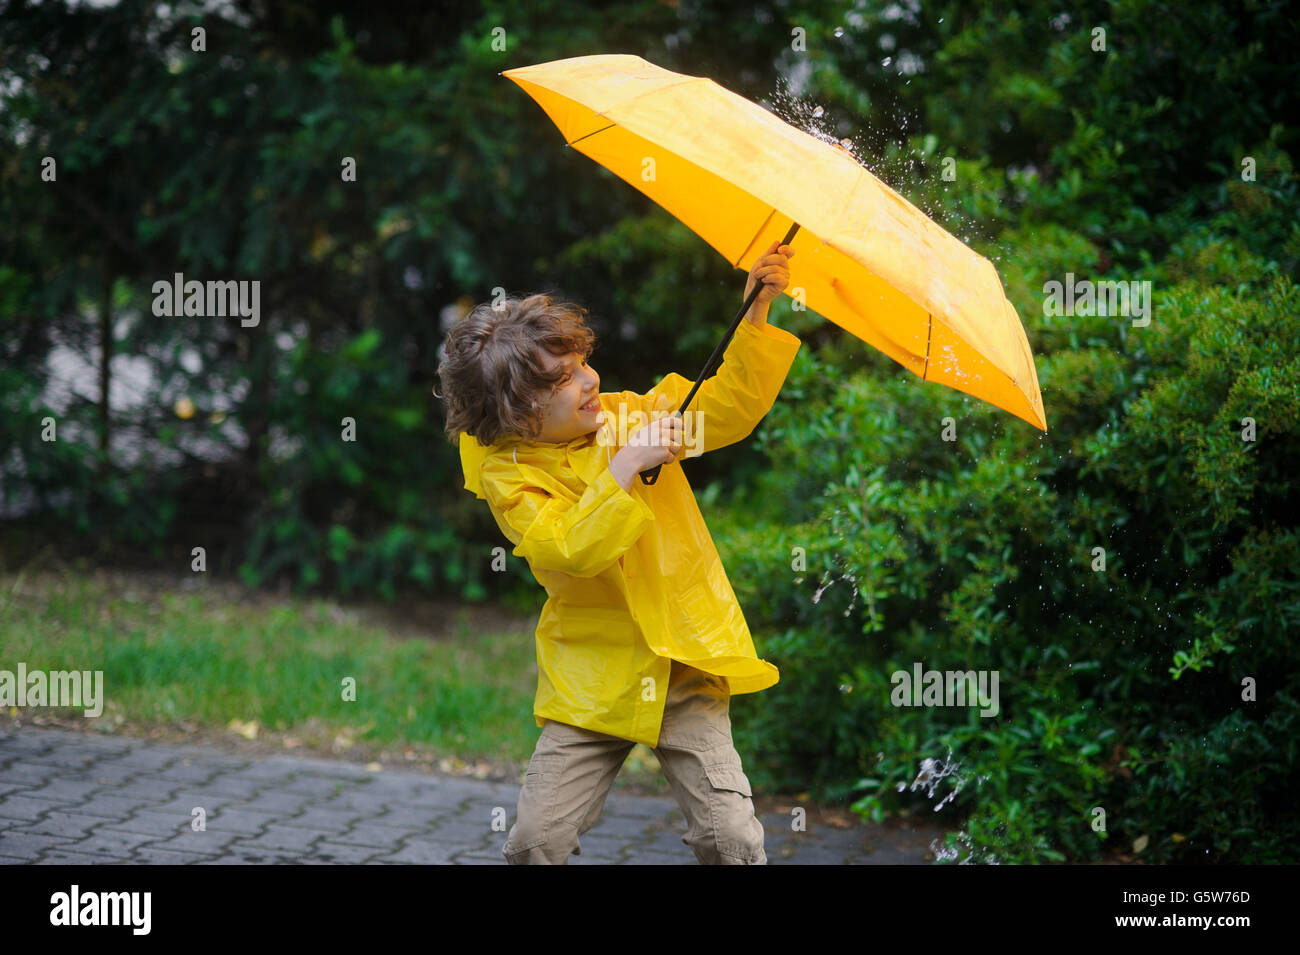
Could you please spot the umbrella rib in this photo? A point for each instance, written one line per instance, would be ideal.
(594, 132)
(736, 264)
(929, 327)
(624, 102)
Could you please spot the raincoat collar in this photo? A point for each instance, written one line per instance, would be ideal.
(472, 453)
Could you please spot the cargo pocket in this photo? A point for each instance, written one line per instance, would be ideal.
(730, 778)
(731, 809)
(536, 804)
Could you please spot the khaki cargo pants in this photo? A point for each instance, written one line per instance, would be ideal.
(572, 769)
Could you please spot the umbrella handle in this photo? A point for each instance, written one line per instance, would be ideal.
(650, 475)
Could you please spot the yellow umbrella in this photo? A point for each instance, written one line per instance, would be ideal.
(741, 178)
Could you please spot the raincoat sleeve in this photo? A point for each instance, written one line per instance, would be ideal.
(731, 403)
(581, 538)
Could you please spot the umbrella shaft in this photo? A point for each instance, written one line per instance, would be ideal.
(716, 357)
(650, 475)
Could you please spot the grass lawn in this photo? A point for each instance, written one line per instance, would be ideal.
(214, 660)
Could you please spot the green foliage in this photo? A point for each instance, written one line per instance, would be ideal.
(978, 555)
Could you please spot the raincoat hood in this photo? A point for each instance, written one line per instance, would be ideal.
(471, 460)
(472, 453)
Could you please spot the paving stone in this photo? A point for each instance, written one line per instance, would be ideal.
(108, 803)
(893, 856)
(625, 828)
(317, 785)
(20, 806)
(645, 807)
(29, 774)
(463, 832)
(407, 817)
(288, 840)
(27, 845)
(238, 819)
(667, 840)
(26, 743)
(160, 824)
(641, 857)
(332, 820)
(142, 757)
(593, 843)
(382, 838)
(186, 801)
(420, 851)
(188, 771)
(449, 792)
(154, 855)
(233, 787)
(63, 790)
(144, 786)
(279, 801)
(586, 858)
(62, 758)
(102, 774)
(809, 855)
(246, 857)
(63, 857)
(106, 745)
(218, 761)
(207, 843)
(271, 767)
(109, 841)
(67, 824)
(337, 853)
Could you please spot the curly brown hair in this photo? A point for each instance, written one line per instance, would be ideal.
(491, 373)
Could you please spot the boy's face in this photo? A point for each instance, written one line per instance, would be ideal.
(572, 410)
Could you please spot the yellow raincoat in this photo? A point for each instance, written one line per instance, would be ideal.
(634, 578)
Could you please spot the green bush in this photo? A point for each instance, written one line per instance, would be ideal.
(1121, 690)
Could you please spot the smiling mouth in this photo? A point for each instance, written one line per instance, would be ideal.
(593, 405)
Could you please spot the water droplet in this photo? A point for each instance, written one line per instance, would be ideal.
(839, 31)
(817, 112)
(886, 61)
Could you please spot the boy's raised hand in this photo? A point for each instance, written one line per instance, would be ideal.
(773, 270)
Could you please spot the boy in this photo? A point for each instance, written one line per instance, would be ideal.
(641, 639)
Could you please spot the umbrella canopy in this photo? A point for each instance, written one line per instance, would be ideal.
(739, 176)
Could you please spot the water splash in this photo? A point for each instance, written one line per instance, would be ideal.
(945, 853)
(899, 171)
(827, 583)
(933, 772)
